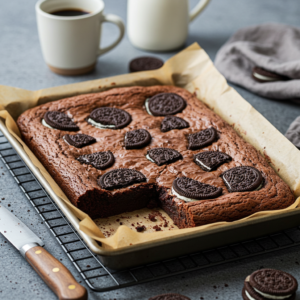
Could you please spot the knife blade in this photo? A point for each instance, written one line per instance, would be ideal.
(52, 271)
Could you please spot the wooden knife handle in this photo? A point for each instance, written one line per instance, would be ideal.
(55, 275)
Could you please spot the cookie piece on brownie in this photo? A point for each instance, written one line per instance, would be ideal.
(261, 75)
(242, 179)
(99, 160)
(211, 160)
(59, 120)
(202, 138)
(79, 140)
(269, 284)
(169, 296)
(137, 139)
(109, 118)
(165, 104)
(189, 190)
(120, 178)
(172, 122)
(162, 156)
(145, 63)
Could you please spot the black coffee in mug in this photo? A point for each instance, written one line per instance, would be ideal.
(69, 12)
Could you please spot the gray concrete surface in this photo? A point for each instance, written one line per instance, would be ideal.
(22, 65)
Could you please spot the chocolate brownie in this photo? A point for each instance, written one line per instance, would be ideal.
(81, 181)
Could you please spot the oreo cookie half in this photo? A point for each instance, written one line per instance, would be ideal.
(172, 122)
(165, 104)
(273, 284)
(169, 296)
(189, 190)
(262, 75)
(242, 179)
(145, 63)
(210, 160)
(137, 139)
(120, 178)
(79, 140)
(109, 118)
(99, 160)
(162, 156)
(202, 138)
(59, 120)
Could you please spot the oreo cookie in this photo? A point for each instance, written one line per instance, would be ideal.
(242, 179)
(170, 296)
(99, 160)
(145, 63)
(262, 75)
(79, 140)
(202, 138)
(59, 120)
(189, 189)
(270, 283)
(211, 160)
(137, 139)
(109, 118)
(120, 178)
(172, 122)
(162, 156)
(165, 104)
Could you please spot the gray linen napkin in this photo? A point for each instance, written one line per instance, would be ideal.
(293, 133)
(274, 47)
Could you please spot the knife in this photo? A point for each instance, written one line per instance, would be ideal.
(52, 271)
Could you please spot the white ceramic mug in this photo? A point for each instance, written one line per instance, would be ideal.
(160, 25)
(70, 45)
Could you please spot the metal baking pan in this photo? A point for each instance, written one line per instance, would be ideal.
(172, 247)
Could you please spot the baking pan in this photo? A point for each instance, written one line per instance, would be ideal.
(164, 249)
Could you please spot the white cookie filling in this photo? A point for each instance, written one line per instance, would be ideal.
(182, 197)
(147, 106)
(271, 296)
(262, 77)
(99, 125)
(66, 140)
(249, 296)
(202, 164)
(45, 124)
(149, 158)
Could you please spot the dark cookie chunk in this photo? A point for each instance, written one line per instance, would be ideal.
(99, 160)
(109, 117)
(172, 122)
(170, 296)
(145, 63)
(59, 120)
(166, 104)
(262, 75)
(140, 228)
(202, 138)
(162, 156)
(194, 189)
(79, 140)
(242, 179)
(273, 282)
(120, 178)
(137, 139)
(210, 160)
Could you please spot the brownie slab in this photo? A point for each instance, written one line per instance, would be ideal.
(79, 180)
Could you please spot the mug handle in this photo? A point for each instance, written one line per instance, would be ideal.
(115, 20)
(198, 9)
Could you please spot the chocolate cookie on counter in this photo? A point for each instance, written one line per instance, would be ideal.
(145, 63)
(270, 284)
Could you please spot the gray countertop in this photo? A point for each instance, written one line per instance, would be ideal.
(22, 65)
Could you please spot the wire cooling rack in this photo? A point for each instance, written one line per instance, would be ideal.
(94, 273)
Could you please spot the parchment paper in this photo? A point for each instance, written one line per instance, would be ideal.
(190, 69)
